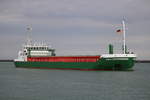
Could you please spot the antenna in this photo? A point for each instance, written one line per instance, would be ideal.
(124, 36)
(29, 30)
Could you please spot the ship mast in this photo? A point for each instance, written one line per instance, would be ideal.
(124, 36)
(29, 40)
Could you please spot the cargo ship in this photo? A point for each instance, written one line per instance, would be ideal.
(41, 56)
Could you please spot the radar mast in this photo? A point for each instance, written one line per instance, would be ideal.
(29, 30)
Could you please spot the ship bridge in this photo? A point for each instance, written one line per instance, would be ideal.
(38, 50)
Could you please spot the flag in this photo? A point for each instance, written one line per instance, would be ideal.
(119, 31)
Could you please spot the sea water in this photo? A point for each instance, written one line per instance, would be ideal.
(37, 84)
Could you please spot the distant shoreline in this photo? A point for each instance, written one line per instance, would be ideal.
(6, 60)
(137, 61)
(142, 61)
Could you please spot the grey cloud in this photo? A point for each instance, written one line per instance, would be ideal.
(74, 18)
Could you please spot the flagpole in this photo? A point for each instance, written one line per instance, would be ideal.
(124, 37)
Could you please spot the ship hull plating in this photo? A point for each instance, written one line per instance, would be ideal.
(102, 64)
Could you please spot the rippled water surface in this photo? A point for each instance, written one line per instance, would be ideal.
(37, 84)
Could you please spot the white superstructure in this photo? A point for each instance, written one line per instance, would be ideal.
(39, 50)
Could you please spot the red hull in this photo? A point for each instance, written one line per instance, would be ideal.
(65, 59)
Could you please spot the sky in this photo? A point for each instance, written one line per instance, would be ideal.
(75, 27)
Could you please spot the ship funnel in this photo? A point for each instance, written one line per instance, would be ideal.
(111, 49)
